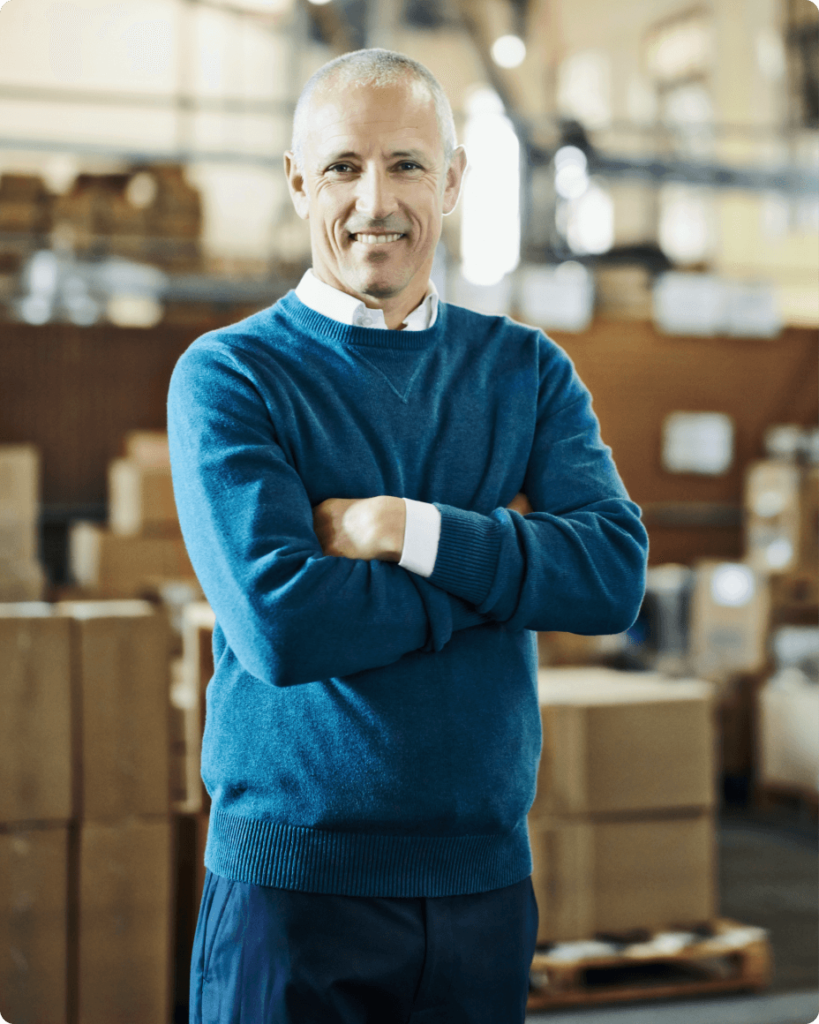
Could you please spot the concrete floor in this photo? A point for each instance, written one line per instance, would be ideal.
(768, 876)
(775, 1008)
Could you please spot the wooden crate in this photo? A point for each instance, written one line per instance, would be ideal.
(722, 957)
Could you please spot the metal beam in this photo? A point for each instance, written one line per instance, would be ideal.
(96, 97)
(134, 155)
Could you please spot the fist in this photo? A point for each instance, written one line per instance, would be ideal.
(520, 503)
(366, 528)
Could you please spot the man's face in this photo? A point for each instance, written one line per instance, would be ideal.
(374, 188)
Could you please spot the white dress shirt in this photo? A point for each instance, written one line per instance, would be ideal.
(423, 520)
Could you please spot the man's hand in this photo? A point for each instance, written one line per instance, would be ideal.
(520, 503)
(371, 528)
(365, 528)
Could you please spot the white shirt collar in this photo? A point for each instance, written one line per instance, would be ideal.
(346, 309)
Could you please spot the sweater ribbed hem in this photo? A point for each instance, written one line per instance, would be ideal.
(468, 551)
(363, 864)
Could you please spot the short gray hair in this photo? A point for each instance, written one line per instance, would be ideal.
(375, 67)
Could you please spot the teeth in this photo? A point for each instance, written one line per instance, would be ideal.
(376, 239)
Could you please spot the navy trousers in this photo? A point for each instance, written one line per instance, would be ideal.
(271, 956)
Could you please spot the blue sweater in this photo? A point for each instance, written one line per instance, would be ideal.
(369, 731)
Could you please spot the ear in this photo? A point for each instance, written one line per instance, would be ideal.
(454, 179)
(296, 186)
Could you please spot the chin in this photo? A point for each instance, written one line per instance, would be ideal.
(380, 290)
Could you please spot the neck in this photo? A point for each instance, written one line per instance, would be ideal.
(396, 308)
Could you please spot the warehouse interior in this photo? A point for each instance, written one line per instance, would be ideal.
(643, 186)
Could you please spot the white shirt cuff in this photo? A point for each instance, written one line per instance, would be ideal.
(421, 535)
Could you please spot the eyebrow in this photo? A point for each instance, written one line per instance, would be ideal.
(415, 154)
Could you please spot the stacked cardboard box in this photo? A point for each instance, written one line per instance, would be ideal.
(730, 614)
(25, 204)
(622, 826)
(37, 803)
(193, 672)
(21, 576)
(142, 546)
(787, 730)
(788, 733)
(772, 515)
(85, 832)
(189, 798)
(150, 213)
(123, 885)
(624, 292)
(34, 929)
(782, 528)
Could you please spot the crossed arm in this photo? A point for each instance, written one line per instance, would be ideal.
(371, 528)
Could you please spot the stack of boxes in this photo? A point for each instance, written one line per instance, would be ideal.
(37, 801)
(782, 542)
(21, 576)
(85, 832)
(782, 529)
(622, 827)
(190, 799)
(192, 673)
(142, 546)
(149, 214)
(730, 612)
(788, 717)
(25, 204)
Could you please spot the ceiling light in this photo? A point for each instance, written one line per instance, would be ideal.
(508, 51)
(276, 7)
(732, 585)
(571, 174)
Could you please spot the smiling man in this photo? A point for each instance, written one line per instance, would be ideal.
(383, 496)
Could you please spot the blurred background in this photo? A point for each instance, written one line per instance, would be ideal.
(643, 184)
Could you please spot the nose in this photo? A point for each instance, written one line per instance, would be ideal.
(374, 194)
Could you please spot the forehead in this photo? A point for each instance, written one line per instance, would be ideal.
(362, 117)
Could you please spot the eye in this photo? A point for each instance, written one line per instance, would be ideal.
(340, 168)
(409, 165)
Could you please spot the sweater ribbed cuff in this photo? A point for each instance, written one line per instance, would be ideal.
(467, 554)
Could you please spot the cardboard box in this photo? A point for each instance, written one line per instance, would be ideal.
(809, 521)
(189, 846)
(186, 741)
(124, 922)
(34, 948)
(174, 596)
(113, 566)
(121, 662)
(730, 614)
(140, 500)
(573, 649)
(592, 877)
(623, 742)
(21, 580)
(788, 732)
(18, 538)
(188, 698)
(19, 482)
(36, 720)
(147, 447)
(772, 516)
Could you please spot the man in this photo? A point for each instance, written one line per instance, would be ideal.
(382, 495)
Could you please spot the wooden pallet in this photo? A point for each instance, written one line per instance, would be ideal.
(769, 795)
(722, 957)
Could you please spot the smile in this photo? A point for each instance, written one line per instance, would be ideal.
(376, 239)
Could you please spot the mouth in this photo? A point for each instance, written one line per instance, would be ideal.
(375, 239)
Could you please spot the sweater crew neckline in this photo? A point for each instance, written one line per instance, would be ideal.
(326, 328)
